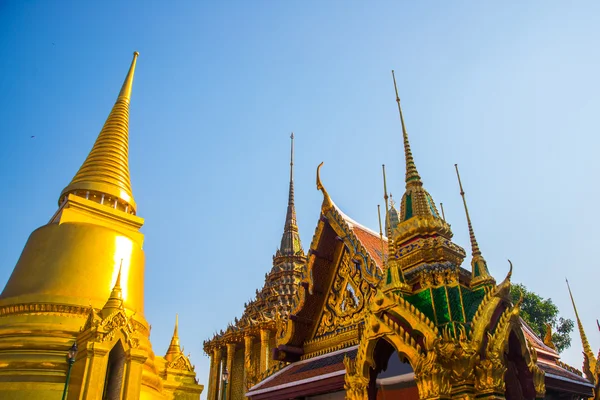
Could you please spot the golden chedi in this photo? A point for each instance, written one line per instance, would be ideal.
(80, 278)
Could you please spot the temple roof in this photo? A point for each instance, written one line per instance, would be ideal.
(370, 239)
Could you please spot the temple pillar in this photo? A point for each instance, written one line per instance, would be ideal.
(248, 379)
(217, 375)
(211, 376)
(265, 336)
(135, 359)
(230, 356)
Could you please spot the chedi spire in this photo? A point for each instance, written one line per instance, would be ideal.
(290, 241)
(104, 175)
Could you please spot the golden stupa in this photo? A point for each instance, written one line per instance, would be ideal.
(80, 278)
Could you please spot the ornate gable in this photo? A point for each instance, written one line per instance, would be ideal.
(337, 283)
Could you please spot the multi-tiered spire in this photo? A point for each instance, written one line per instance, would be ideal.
(589, 361)
(174, 349)
(480, 273)
(104, 175)
(416, 201)
(290, 241)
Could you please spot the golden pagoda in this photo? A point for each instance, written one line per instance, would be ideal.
(395, 316)
(80, 278)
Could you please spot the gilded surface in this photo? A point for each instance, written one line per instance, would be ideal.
(347, 297)
(48, 303)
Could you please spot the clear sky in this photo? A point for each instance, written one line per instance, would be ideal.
(509, 91)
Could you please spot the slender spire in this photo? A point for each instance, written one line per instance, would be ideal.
(416, 202)
(443, 215)
(412, 175)
(104, 175)
(389, 232)
(589, 363)
(474, 244)
(290, 241)
(384, 261)
(115, 300)
(480, 273)
(174, 349)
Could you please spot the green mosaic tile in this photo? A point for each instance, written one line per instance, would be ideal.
(422, 301)
(431, 207)
(389, 276)
(471, 300)
(440, 302)
(455, 304)
(408, 211)
(477, 270)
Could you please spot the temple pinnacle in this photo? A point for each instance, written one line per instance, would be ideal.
(412, 175)
(115, 300)
(174, 349)
(480, 273)
(290, 241)
(588, 354)
(474, 244)
(104, 175)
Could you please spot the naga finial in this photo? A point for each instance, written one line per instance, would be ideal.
(327, 204)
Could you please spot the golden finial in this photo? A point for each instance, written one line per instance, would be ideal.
(115, 300)
(174, 350)
(327, 204)
(588, 354)
(480, 273)
(443, 215)
(387, 215)
(290, 241)
(104, 175)
(412, 175)
(383, 260)
(548, 337)
(474, 244)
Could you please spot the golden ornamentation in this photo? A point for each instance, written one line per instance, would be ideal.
(355, 384)
(53, 303)
(347, 296)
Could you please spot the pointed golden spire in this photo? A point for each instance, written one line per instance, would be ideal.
(115, 300)
(589, 361)
(174, 350)
(389, 232)
(480, 272)
(383, 258)
(416, 202)
(104, 175)
(412, 175)
(290, 241)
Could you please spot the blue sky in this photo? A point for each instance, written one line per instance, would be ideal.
(509, 91)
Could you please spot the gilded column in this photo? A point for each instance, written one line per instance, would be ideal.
(211, 376)
(248, 373)
(133, 375)
(216, 375)
(230, 355)
(265, 336)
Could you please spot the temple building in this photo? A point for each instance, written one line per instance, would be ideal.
(387, 317)
(245, 348)
(80, 279)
